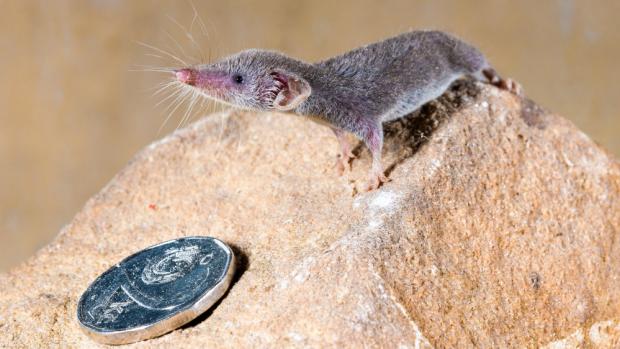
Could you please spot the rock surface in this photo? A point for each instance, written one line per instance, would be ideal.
(499, 228)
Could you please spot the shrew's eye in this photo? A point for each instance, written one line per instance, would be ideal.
(238, 78)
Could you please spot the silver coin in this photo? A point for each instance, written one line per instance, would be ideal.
(156, 290)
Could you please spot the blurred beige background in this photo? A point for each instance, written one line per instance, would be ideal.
(72, 113)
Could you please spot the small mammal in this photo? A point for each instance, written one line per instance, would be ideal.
(354, 92)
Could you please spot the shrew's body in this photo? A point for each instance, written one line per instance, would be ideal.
(355, 92)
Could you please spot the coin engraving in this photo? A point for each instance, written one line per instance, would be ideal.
(156, 290)
(108, 312)
(111, 307)
(175, 263)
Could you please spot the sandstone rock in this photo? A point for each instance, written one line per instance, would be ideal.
(499, 228)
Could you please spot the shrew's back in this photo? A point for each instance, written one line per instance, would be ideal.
(406, 55)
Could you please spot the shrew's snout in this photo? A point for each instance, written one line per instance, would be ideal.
(186, 76)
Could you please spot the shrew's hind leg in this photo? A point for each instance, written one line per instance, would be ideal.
(372, 135)
(505, 84)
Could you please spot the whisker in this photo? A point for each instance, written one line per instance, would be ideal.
(181, 94)
(153, 55)
(179, 98)
(188, 34)
(199, 103)
(188, 110)
(174, 93)
(196, 100)
(164, 52)
(163, 87)
(167, 71)
(176, 42)
(158, 88)
(154, 67)
(203, 105)
(173, 96)
(165, 82)
(214, 38)
(203, 28)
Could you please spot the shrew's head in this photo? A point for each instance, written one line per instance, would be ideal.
(252, 79)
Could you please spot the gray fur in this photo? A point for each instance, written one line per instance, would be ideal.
(361, 89)
(391, 78)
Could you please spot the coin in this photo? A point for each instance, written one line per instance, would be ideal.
(156, 290)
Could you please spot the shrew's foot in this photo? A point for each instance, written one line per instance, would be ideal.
(505, 84)
(343, 163)
(375, 179)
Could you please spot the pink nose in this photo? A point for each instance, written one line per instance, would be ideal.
(186, 76)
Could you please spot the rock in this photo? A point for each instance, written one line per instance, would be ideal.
(500, 228)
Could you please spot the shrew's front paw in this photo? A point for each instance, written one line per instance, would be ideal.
(343, 163)
(375, 180)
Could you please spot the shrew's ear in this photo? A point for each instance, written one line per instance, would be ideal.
(292, 90)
